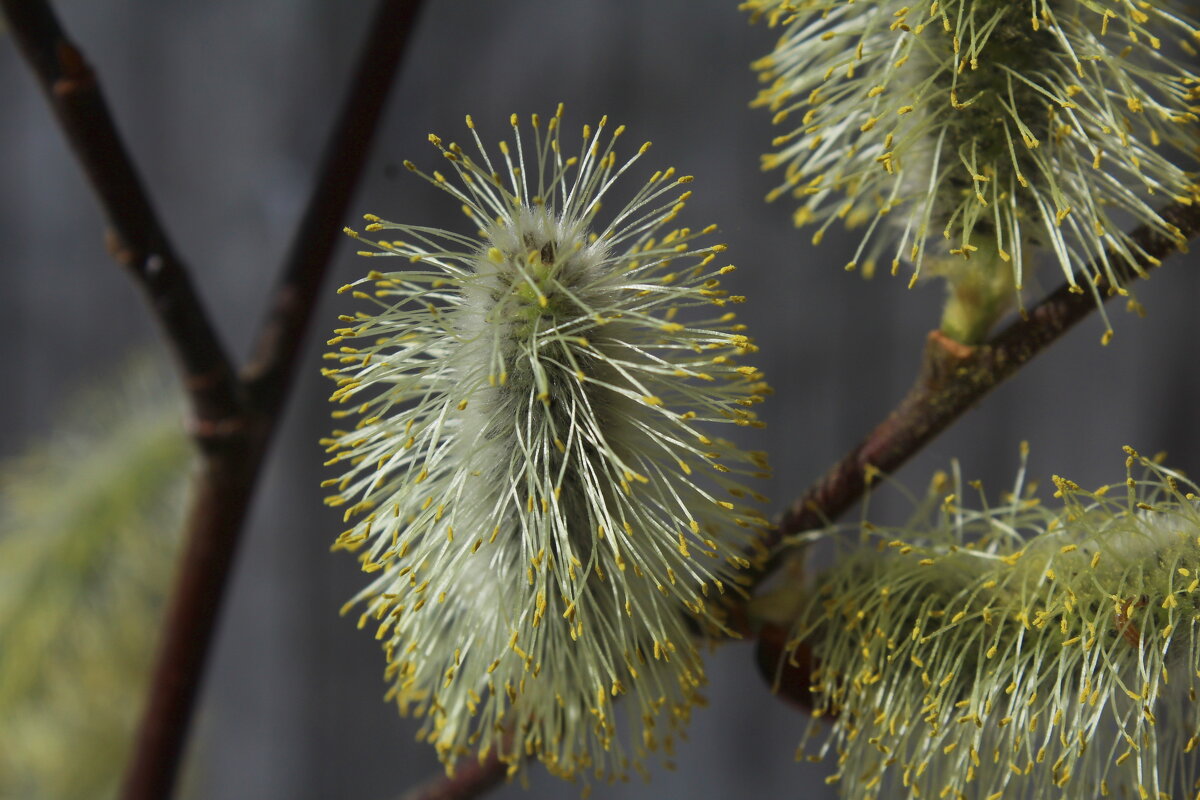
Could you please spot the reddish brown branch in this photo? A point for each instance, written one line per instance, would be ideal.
(234, 419)
(953, 379)
(470, 779)
(137, 239)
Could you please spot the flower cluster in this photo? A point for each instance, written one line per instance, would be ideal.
(530, 476)
(998, 125)
(1016, 650)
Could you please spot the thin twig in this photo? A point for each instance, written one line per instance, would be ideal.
(470, 779)
(954, 378)
(137, 239)
(234, 419)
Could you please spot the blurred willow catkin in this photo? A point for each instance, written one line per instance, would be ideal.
(88, 523)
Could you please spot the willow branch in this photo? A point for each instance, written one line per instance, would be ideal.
(136, 238)
(955, 377)
(470, 779)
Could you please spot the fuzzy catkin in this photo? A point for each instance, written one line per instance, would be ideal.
(530, 474)
(969, 132)
(1017, 650)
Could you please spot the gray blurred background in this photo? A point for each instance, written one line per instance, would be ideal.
(226, 105)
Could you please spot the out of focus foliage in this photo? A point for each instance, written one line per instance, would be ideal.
(88, 531)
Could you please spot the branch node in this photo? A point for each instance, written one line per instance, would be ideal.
(954, 377)
(75, 73)
(118, 249)
(944, 358)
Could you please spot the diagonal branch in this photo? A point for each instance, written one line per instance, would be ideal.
(137, 239)
(955, 377)
(281, 333)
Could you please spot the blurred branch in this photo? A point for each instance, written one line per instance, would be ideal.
(136, 239)
(470, 779)
(234, 420)
(954, 377)
(281, 333)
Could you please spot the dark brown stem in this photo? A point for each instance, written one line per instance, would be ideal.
(136, 239)
(221, 495)
(954, 378)
(233, 420)
(281, 334)
(470, 779)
